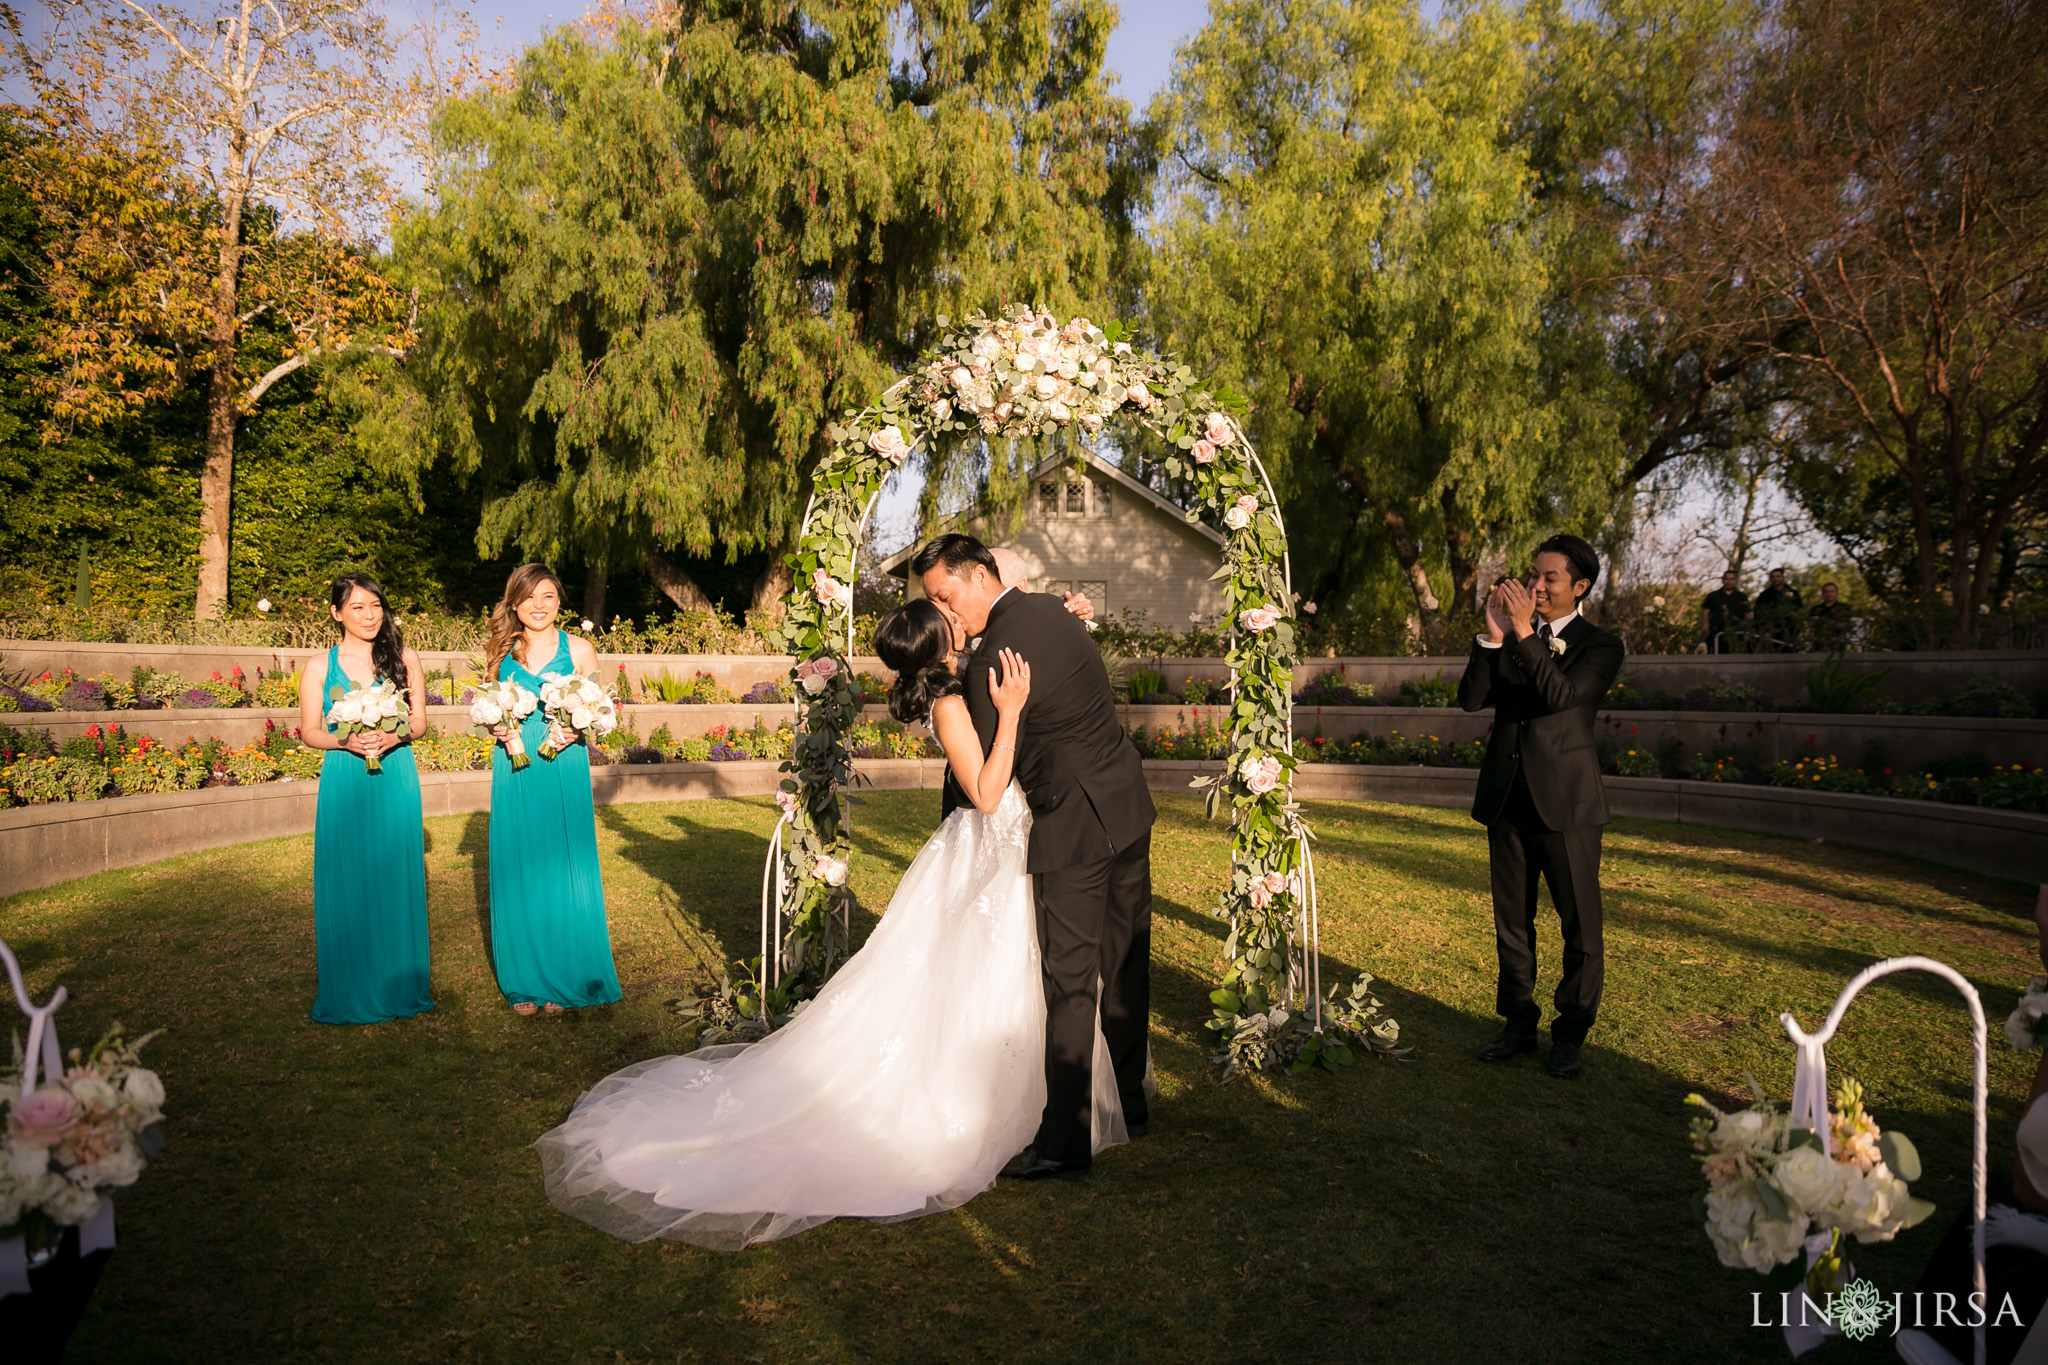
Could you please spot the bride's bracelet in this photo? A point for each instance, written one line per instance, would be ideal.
(1011, 747)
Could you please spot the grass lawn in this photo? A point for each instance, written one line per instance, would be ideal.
(369, 1194)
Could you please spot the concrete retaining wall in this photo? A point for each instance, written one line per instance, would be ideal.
(43, 845)
(1913, 676)
(244, 725)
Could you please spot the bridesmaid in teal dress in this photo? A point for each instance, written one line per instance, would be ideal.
(549, 939)
(369, 858)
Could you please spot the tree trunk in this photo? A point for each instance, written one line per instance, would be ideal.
(1410, 555)
(677, 586)
(771, 587)
(217, 479)
(594, 584)
(1459, 546)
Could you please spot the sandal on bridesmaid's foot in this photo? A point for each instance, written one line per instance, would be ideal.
(551, 1008)
(525, 1008)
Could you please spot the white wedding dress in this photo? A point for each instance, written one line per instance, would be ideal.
(901, 1090)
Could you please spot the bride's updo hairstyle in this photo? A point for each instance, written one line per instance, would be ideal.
(915, 642)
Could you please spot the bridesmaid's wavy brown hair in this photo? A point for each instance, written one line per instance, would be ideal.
(505, 629)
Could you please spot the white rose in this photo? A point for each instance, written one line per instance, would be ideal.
(1069, 367)
(347, 711)
(143, 1087)
(486, 712)
(122, 1166)
(1121, 348)
(581, 717)
(70, 1204)
(1046, 386)
(1873, 1205)
(1059, 412)
(1808, 1179)
(1237, 518)
(588, 625)
(26, 1162)
(813, 684)
(1023, 361)
(986, 347)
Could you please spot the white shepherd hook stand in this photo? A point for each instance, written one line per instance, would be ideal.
(1810, 1091)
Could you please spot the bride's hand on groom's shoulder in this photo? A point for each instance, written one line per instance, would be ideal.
(1009, 683)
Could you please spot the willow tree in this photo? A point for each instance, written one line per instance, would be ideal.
(1353, 235)
(665, 254)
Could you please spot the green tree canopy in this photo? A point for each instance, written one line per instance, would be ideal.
(658, 261)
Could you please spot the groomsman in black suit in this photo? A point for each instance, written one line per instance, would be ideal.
(1544, 669)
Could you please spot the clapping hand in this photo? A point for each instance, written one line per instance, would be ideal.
(1010, 690)
(1515, 606)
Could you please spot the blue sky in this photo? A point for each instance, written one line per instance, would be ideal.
(1140, 51)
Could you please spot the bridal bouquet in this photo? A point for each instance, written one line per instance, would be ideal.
(1771, 1186)
(380, 706)
(505, 703)
(577, 703)
(92, 1129)
(2023, 1023)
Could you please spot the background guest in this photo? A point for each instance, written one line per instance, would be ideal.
(550, 941)
(369, 856)
(1723, 609)
(1777, 612)
(1544, 669)
(1827, 621)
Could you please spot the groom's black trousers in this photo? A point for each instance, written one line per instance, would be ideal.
(1094, 924)
(1523, 849)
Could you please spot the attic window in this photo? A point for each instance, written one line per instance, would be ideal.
(1071, 498)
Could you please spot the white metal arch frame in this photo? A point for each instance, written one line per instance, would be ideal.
(1283, 838)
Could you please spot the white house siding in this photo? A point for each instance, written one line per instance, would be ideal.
(1127, 555)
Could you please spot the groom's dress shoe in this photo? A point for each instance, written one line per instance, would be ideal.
(1511, 1044)
(1564, 1062)
(1138, 1130)
(1029, 1165)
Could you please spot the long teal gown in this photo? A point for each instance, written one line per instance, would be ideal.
(369, 884)
(549, 938)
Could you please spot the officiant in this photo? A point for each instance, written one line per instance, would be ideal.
(1544, 669)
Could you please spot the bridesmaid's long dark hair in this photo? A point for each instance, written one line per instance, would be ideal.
(916, 643)
(387, 650)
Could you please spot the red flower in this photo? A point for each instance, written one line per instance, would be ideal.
(1809, 741)
(238, 671)
(92, 732)
(217, 677)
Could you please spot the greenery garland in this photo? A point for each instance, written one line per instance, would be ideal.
(1026, 377)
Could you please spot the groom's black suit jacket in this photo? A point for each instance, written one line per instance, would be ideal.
(1083, 780)
(1544, 705)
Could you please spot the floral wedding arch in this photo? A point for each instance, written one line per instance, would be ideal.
(1027, 377)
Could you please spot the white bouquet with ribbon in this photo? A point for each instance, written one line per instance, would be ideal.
(73, 1136)
(1771, 1186)
(2024, 1023)
(505, 703)
(576, 703)
(358, 710)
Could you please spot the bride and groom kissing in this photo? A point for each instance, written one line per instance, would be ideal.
(995, 1022)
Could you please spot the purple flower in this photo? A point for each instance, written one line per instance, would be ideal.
(726, 753)
(24, 702)
(83, 695)
(762, 692)
(198, 697)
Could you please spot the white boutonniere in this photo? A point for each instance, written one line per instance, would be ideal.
(1556, 645)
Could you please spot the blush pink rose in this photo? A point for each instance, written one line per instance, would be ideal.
(825, 667)
(45, 1118)
(889, 443)
(1261, 897)
(786, 802)
(1204, 452)
(1219, 432)
(1260, 774)
(824, 587)
(1259, 618)
(1139, 394)
(1276, 882)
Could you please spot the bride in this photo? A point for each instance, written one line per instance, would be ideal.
(910, 1080)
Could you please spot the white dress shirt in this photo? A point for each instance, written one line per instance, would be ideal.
(1556, 629)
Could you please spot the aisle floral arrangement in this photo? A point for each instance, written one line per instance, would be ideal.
(75, 1137)
(1771, 1187)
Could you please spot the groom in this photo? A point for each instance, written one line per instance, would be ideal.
(1091, 843)
(1544, 669)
